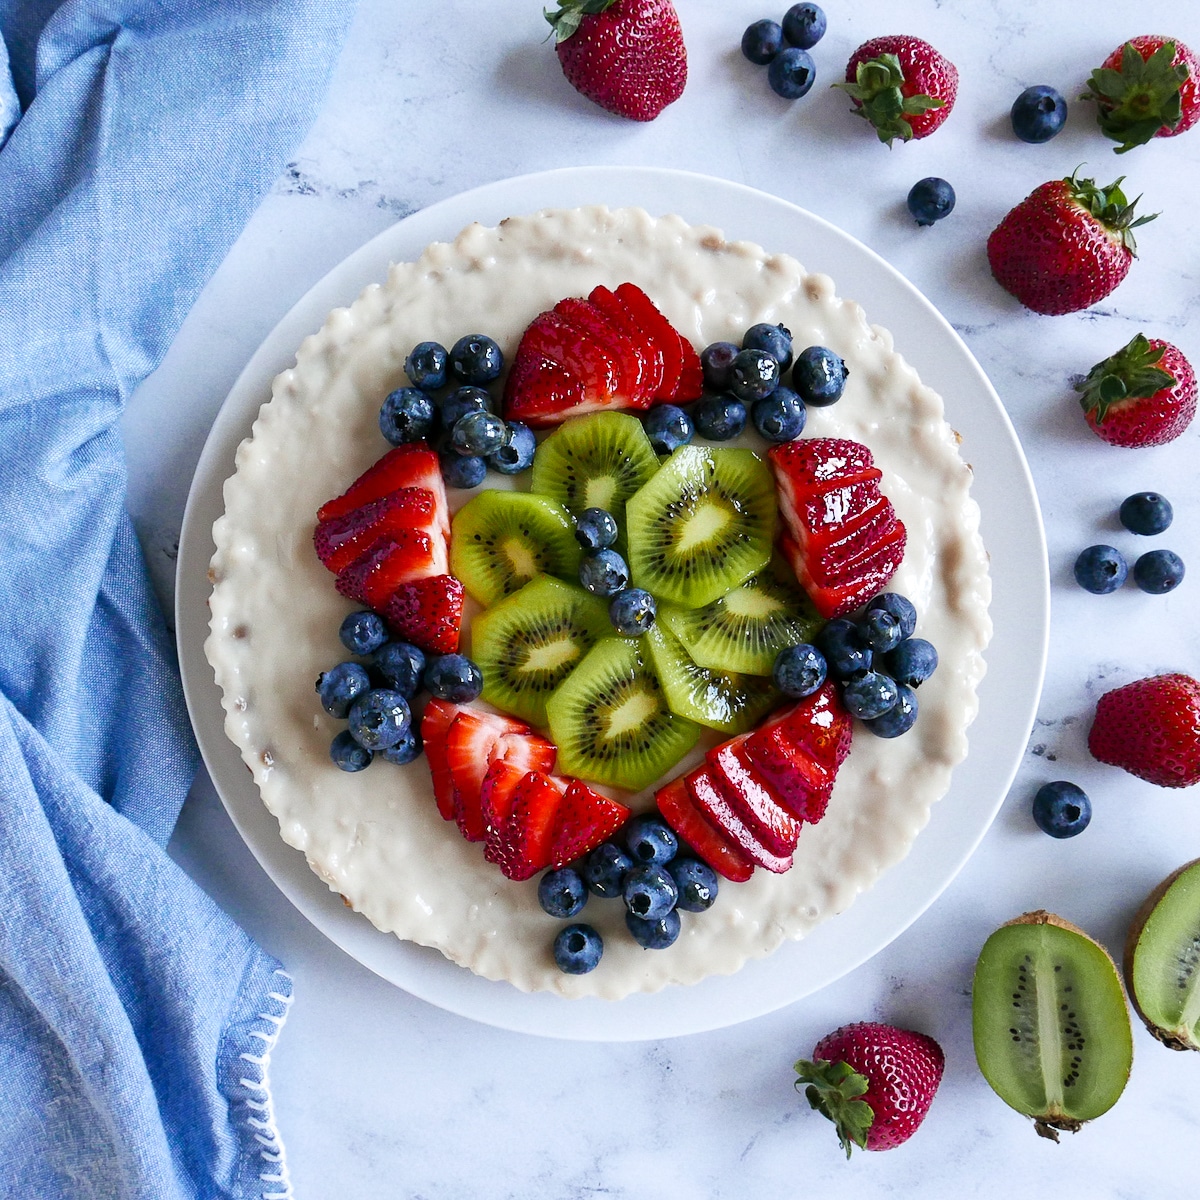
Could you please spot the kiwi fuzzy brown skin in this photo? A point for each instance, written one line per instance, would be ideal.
(1167, 1037)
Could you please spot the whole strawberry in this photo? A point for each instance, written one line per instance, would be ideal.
(1066, 245)
(902, 85)
(1144, 395)
(626, 55)
(873, 1081)
(1147, 88)
(1151, 728)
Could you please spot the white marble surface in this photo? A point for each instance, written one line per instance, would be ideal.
(379, 1094)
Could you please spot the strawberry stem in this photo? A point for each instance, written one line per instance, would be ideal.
(565, 19)
(1110, 207)
(877, 88)
(1131, 373)
(833, 1088)
(1140, 97)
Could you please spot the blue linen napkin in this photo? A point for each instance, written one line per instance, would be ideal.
(136, 1020)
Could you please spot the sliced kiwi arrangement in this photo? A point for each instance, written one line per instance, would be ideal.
(704, 523)
(531, 641)
(502, 540)
(1051, 1025)
(1162, 959)
(611, 721)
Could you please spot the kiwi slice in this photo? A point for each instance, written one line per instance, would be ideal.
(612, 722)
(502, 540)
(1162, 959)
(721, 700)
(526, 645)
(594, 461)
(702, 525)
(746, 628)
(1052, 1029)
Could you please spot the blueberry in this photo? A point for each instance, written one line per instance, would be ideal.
(716, 361)
(1038, 113)
(405, 750)
(379, 719)
(792, 73)
(753, 374)
(562, 893)
(870, 695)
(363, 632)
(478, 434)
(696, 881)
(595, 529)
(604, 573)
(1100, 570)
(632, 612)
(347, 754)
(880, 630)
(776, 340)
(901, 607)
(654, 935)
(425, 366)
(1158, 572)
(779, 417)
(340, 686)
(476, 359)
(1061, 809)
(462, 401)
(462, 471)
(604, 870)
(649, 891)
(804, 25)
(899, 718)
(719, 418)
(799, 670)
(912, 662)
(516, 455)
(407, 415)
(930, 199)
(668, 427)
(762, 41)
(577, 949)
(1146, 513)
(819, 376)
(651, 840)
(402, 665)
(843, 649)
(453, 677)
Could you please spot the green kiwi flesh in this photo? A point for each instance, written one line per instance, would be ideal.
(611, 721)
(1051, 1025)
(745, 629)
(1162, 960)
(703, 524)
(526, 645)
(721, 700)
(501, 540)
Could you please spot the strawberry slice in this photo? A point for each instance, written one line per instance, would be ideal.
(679, 810)
(820, 725)
(753, 800)
(427, 613)
(801, 785)
(519, 842)
(470, 742)
(630, 391)
(340, 540)
(436, 721)
(495, 799)
(584, 820)
(683, 377)
(652, 358)
(387, 564)
(715, 805)
(526, 750)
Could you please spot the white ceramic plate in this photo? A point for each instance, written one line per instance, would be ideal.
(1011, 528)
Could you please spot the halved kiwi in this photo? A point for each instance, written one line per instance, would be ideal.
(721, 700)
(745, 629)
(1052, 1029)
(611, 720)
(1162, 959)
(502, 540)
(702, 525)
(531, 641)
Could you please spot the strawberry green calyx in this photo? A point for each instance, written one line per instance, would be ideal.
(1131, 373)
(565, 19)
(833, 1089)
(1110, 206)
(1140, 97)
(877, 87)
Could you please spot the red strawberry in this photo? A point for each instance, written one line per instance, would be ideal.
(873, 1081)
(710, 843)
(436, 721)
(340, 540)
(428, 613)
(845, 539)
(902, 85)
(1152, 729)
(1144, 395)
(520, 842)
(754, 801)
(683, 377)
(388, 563)
(584, 820)
(1147, 88)
(470, 743)
(712, 801)
(496, 797)
(1067, 245)
(626, 55)
(629, 391)
(651, 353)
